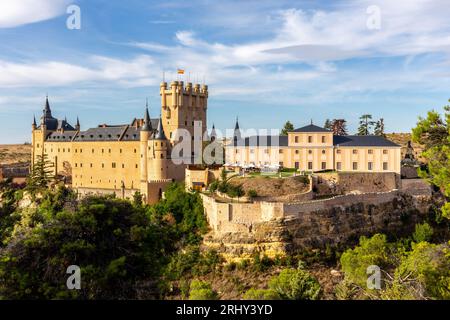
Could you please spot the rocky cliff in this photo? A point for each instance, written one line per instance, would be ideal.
(333, 225)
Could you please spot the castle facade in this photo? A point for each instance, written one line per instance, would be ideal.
(126, 158)
(312, 148)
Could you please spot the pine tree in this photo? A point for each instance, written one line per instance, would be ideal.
(288, 126)
(365, 125)
(379, 128)
(41, 174)
(328, 124)
(339, 127)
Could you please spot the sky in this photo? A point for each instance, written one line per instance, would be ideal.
(264, 61)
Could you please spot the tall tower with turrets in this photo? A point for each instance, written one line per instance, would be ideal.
(184, 107)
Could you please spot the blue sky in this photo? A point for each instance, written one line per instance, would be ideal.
(264, 61)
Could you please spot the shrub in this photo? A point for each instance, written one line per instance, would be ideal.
(423, 232)
(231, 266)
(295, 284)
(235, 191)
(243, 264)
(252, 193)
(201, 290)
(261, 294)
(261, 263)
(213, 186)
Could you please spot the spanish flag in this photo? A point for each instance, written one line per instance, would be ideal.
(180, 71)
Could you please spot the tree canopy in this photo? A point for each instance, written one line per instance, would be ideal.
(288, 126)
(434, 133)
(122, 248)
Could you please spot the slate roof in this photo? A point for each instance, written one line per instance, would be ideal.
(109, 133)
(262, 141)
(343, 141)
(124, 132)
(363, 141)
(311, 128)
(159, 134)
(61, 136)
(63, 124)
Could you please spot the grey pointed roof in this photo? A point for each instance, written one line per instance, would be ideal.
(34, 120)
(47, 110)
(47, 118)
(311, 128)
(159, 134)
(147, 126)
(213, 132)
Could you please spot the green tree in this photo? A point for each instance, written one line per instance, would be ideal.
(379, 128)
(41, 173)
(288, 126)
(434, 133)
(122, 249)
(115, 245)
(339, 127)
(426, 270)
(295, 284)
(423, 232)
(371, 251)
(365, 125)
(328, 124)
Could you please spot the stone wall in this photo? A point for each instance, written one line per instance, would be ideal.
(350, 182)
(128, 193)
(416, 186)
(200, 175)
(274, 228)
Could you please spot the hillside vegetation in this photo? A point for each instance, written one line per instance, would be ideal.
(15, 153)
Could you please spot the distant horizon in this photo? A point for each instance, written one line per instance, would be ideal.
(266, 62)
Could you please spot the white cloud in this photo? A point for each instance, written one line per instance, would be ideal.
(97, 69)
(14, 13)
(301, 47)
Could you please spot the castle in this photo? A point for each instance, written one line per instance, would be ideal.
(126, 158)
